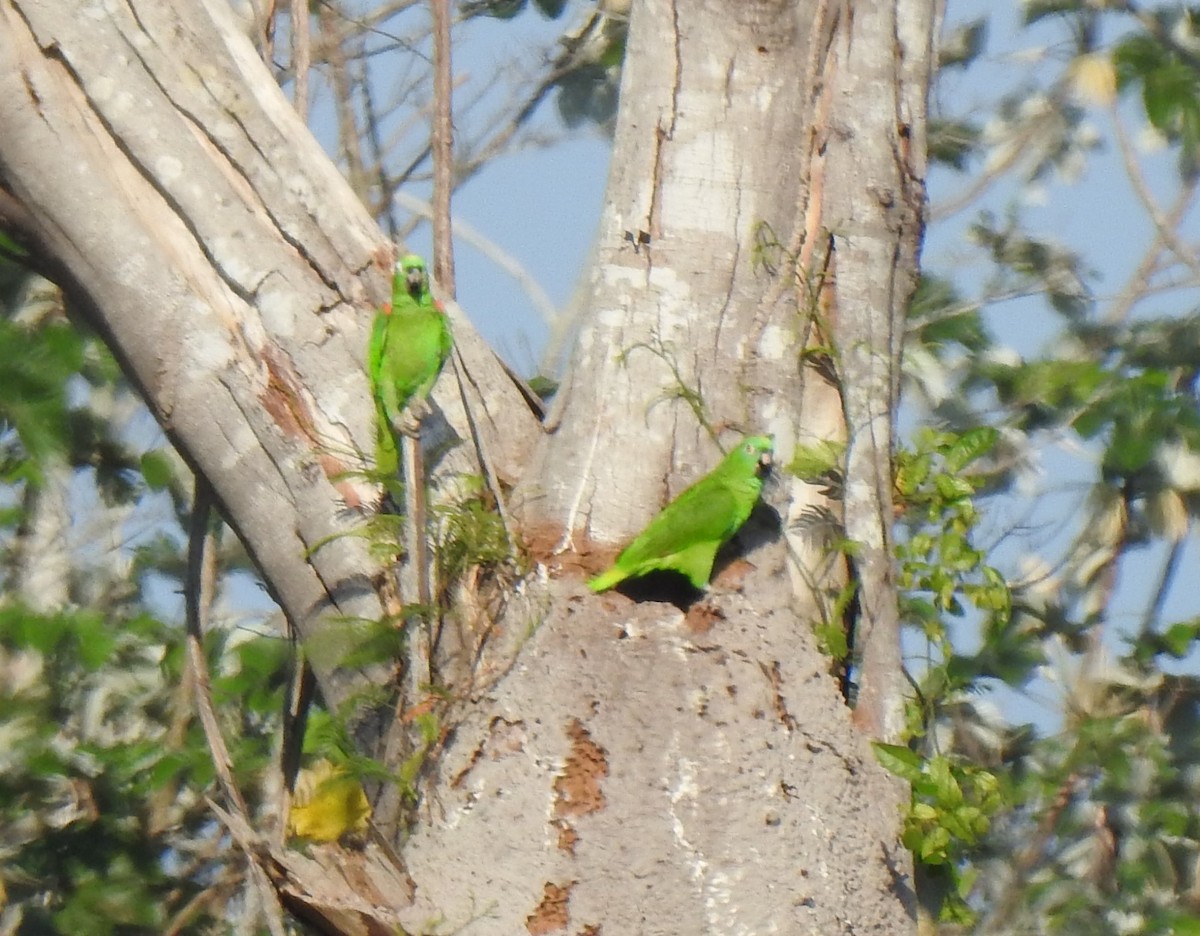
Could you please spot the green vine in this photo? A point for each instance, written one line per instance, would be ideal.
(943, 576)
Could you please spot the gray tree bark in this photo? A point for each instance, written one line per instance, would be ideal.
(615, 766)
(736, 153)
(193, 219)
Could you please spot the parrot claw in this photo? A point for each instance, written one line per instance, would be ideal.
(409, 422)
(409, 425)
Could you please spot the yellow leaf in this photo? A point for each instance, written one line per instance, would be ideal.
(327, 804)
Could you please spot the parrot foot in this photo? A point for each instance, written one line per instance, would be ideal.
(409, 422)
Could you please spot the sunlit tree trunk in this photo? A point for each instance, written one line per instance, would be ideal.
(654, 771)
(613, 766)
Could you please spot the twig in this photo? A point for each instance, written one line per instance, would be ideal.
(442, 144)
(198, 596)
(420, 646)
(1170, 567)
(1165, 231)
(301, 55)
(463, 376)
(270, 9)
(342, 80)
(1164, 225)
(302, 686)
(374, 140)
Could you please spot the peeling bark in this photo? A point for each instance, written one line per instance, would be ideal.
(188, 208)
(192, 218)
(661, 781)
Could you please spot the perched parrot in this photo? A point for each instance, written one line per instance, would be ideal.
(327, 804)
(685, 537)
(410, 342)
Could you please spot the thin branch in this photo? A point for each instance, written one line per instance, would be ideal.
(371, 120)
(442, 147)
(420, 644)
(198, 597)
(1018, 149)
(442, 142)
(1165, 226)
(269, 14)
(463, 376)
(343, 102)
(1154, 608)
(302, 687)
(301, 55)
(368, 22)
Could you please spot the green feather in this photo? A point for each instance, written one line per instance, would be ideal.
(685, 537)
(410, 342)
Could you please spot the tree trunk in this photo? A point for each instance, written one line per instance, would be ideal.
(642, 769)
(617, 766)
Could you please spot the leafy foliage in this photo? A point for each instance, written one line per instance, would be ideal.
(103, 823)
(1167, 72)
(468, 534)
(1089, 825)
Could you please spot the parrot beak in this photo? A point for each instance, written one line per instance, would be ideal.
(415, 278)
(765, 461)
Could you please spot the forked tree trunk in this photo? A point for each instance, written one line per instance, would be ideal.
(643, 770)
(620, 767)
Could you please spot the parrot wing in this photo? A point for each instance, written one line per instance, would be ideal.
(704, 512)
(685, 537)
(375, 348)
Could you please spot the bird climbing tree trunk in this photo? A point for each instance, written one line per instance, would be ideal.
(610, 765)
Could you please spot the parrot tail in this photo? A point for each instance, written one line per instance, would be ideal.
(607, 580)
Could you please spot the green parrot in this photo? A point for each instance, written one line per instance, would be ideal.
(410, 342)
(685, 537)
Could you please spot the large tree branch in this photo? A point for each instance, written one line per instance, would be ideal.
(194, 220)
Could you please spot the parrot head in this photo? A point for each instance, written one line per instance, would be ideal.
(415, 276)
(757, 451)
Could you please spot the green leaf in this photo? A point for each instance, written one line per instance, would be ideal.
(1179, 638)
(971, 446)
(96, 642)
(156, 469)
(898, 760)
(10, 247)
(949, 793)
(813, 463)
